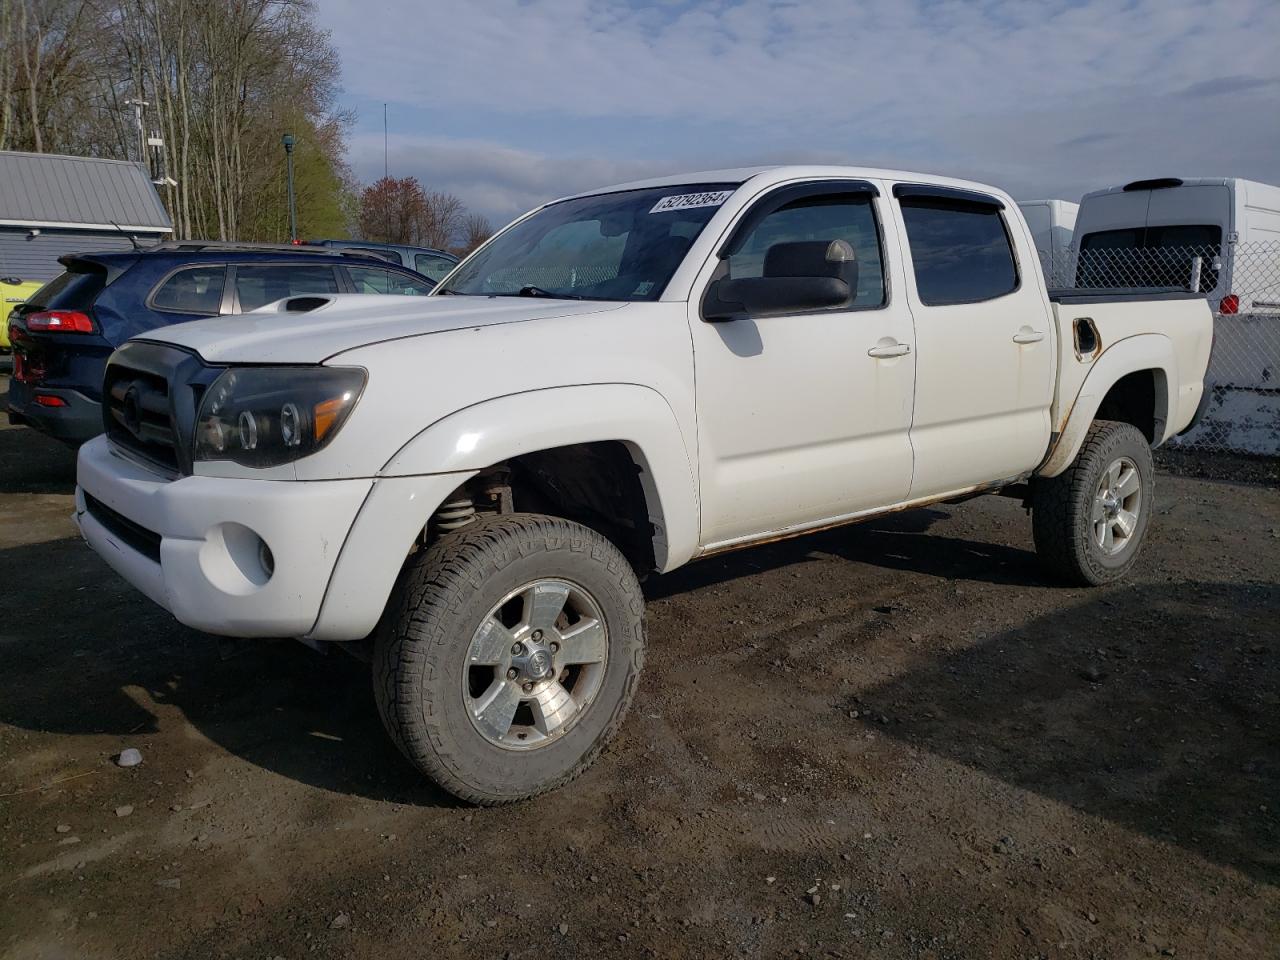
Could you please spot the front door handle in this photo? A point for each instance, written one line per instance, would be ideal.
(1027, 335)
(883, 351)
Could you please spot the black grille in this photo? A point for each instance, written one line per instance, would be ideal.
(146, 542)
(139, 415)
(150, 395)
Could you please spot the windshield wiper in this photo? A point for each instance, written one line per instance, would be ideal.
(532, 291)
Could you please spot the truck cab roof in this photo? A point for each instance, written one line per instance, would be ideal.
(780, 173)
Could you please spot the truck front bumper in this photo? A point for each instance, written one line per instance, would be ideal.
(235, 557)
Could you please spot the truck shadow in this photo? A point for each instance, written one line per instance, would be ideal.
(897, 541)
(33, 463)
(89, 656)
(1153, 706)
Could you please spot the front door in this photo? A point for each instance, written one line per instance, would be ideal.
(804, 417)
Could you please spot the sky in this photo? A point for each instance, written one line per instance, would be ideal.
(510, 103)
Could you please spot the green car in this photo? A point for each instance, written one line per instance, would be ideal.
(13, 292)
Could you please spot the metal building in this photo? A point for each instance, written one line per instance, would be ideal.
(52, 205)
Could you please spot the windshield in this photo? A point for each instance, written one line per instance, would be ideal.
(611, 246)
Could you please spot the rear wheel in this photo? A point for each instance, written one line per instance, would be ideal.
(510, 656)
(1090, 521)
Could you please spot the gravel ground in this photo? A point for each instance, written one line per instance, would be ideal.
(896, 740)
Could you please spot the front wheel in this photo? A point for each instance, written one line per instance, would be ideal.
(1089, 522)
(510, 655)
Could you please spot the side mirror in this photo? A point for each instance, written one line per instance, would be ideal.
(798, 277)
(769, 296)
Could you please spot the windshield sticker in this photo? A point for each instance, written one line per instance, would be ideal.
(686, 201)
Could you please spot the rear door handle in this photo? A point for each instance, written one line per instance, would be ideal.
(1027, 335)
(884, 351)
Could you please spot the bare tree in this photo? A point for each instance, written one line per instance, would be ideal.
(441, 221)
(475, 231)
(223, 81)
(392, 210)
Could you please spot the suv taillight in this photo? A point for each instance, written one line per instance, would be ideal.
(1229, 304)
(59, 321)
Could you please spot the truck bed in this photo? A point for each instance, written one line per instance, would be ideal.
(1120, 294)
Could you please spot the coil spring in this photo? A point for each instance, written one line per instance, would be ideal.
(455, 514)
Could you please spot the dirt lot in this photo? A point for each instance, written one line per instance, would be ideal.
(893, 740)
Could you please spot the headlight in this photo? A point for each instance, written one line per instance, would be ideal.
(265, 416)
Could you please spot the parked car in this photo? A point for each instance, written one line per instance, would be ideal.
(1168, 221)
(428, 261)
(470, 486)
(63, 335)
(1052, 224)
(13, 291)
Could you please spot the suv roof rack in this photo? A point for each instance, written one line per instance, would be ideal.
(231, 246)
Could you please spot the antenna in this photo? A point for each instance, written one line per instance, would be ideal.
(132, 239)
(386, 175)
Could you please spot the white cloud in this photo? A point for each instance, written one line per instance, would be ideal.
(495, 179)
(1044, 96)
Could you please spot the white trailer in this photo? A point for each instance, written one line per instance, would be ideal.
(1052, 223)
(1235, 225)
(1239, 217)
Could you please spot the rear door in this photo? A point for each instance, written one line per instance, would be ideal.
(984, 361)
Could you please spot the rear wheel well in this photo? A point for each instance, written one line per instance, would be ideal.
(1137, 398)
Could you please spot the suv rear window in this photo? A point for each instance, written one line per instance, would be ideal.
(391, 256)
(74, 289)
(437, 268)
(381, 280)
(1149, 257)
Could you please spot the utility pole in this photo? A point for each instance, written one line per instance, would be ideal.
(287, 140)
(138, 107)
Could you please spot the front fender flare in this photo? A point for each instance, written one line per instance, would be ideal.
(1147, 351)
(500, 429)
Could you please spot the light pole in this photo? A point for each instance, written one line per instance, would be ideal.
(138, 107)
(287, 140)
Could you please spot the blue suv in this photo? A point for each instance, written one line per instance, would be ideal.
(64, 334)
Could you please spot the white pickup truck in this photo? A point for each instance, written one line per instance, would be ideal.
(470, 486)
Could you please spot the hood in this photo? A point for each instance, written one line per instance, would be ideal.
(344, 322)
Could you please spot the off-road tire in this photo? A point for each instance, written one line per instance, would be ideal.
(421, 644)
(1062, 505)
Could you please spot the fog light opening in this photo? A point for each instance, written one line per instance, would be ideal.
(266, 558)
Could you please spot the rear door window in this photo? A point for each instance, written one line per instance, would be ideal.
(380, 280)
(437, 268)
(960, 251)
(258, 285)
(193, 290)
